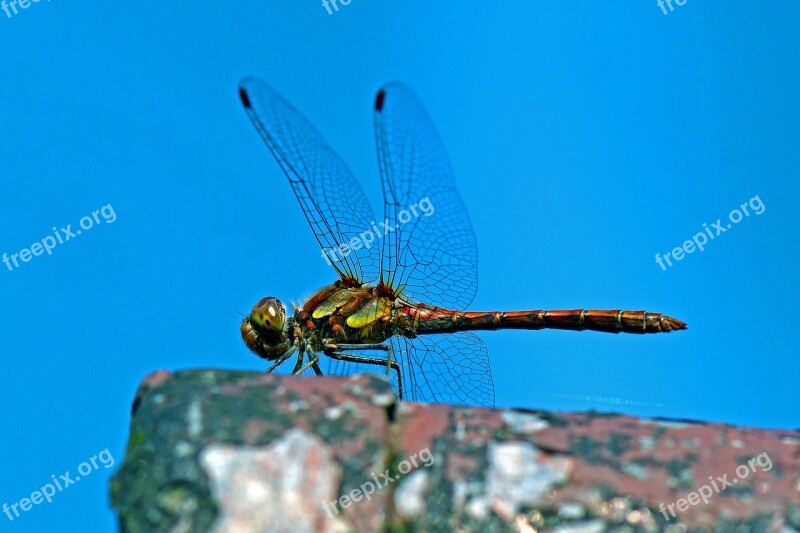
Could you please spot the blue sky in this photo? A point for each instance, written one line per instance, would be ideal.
(585, 137)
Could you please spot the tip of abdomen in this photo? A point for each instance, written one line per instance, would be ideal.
(669, 324)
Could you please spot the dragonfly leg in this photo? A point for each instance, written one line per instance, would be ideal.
(313, 360)
(338, 351)
(286, 355)
(296, 369)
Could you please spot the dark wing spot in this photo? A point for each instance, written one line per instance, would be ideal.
(244, 97)
(379, 100)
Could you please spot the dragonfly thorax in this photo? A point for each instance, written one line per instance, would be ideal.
(345, 313)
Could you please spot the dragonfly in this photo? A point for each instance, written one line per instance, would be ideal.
(399, 303)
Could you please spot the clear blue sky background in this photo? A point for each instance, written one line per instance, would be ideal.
(586, 137)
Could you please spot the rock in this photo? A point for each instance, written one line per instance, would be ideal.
(244, 452)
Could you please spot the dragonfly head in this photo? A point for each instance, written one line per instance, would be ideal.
(264, 331)
(268, 316)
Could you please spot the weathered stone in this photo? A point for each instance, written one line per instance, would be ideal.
(236, 451)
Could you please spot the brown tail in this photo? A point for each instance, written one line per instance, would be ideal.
(437, 320)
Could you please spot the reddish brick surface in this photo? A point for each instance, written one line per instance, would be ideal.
(235, 451)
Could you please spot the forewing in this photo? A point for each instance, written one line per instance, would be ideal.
(332, 200)
(431, 256)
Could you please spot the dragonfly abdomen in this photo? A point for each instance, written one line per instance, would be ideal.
(612, 321)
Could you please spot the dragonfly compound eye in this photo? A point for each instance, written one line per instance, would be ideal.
(268, 315)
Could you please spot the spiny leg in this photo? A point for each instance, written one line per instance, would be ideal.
(377, 346)
(377, 361)
(313, 360)
(286, 355)
(299, 363)
(334, 351)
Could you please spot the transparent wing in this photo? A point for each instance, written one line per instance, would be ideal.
(431, 255)
(448, 368)
(332, 200)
